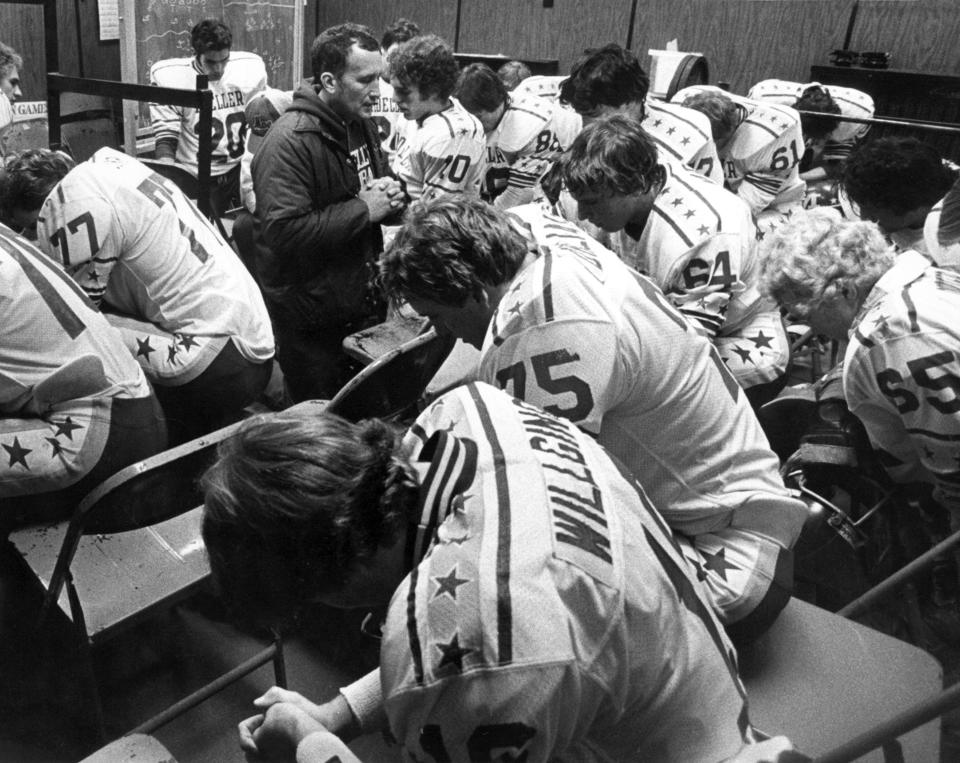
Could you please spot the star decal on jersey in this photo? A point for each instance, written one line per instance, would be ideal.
(743, 353)
(685, 141)
(186, 341)
(702, 303)
(17, 453)
(55, 447)
(453, 653)
(172, 352)
(671, 130)
(929, 453)
(718, 562)
(94, 276)
(761, 340)
(703, 230)
(689, 213)
(677, 202)
(449, 583)
(657, 122)
(143, 348)
(67, 428)
(760, 235)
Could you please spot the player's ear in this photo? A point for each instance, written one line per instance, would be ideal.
(329, 82)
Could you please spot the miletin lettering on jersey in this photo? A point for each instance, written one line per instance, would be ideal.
(580, 525)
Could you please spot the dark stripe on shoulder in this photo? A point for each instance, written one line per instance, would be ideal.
(547, 287)
(674, 115)
(911, 309)
(863, 339)
(448, 123)
(934, 435)
(539, 116)
(413, 637)
(504, 602)
(66, 317)
(673, 225)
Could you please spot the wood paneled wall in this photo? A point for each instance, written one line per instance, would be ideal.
(744, 40)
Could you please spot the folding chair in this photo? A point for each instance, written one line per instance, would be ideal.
(131, 549)
(392, 386)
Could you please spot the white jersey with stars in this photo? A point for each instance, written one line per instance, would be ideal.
(131, 239)
(852, 103)
(578, 334)
(443, 155)
(683, 136)
(901, 374)
(244, 76)
(538, 568)
(761, 161)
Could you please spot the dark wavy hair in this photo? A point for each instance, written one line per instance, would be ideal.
(899, 174)
(399, 31)
(607, 76)
(613, 155)
(210, 34)
(294, 503)
(817, 98)
(722, 111)
(28, 177)
(427, 63)
(449, 249)
(480, 89)
(329, 50)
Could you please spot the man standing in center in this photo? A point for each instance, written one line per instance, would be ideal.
(323, 186)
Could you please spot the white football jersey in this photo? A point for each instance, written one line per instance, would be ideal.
(244, 76)
(585, 337)
(683, 136)
(540, 567)
(853, 103)
(901, 374)
(943, 256)
(539, 86)
(387, 115)
(761, 161)
(46, 323)
(131, 238)
(532, 133)
(443, 155)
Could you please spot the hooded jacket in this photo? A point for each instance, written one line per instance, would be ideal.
(316, 246)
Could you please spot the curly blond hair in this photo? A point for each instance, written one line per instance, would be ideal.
(820, 255)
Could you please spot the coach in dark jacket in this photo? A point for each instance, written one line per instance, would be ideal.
(323, 186)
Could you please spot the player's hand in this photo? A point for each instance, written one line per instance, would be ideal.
(381, 201)
(277, 733)
(334, 715)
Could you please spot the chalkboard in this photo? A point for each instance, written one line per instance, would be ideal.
(162, 30)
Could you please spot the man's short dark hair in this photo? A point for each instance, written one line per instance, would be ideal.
(399, 31)
(329, 50)
(9, 60)
(898, 174)
(28, 177)
(723, 112)
(427, 63)
(607, 76)
(613, 155)
(449, 249)
(480, 89)
(512, 73)
(817, 98)
(210, 34)
(295, 503)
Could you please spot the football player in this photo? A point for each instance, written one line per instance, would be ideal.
(74, 405)
(386, 113)
(941, 230)
(695, 239)
(442, 152)
(538, 607)
(610, 79)
(901, 369)
(186, 306)
(896, 183)
(829, 141)
(523, 135)
(562, 323)
(233, 77)
(760, 145)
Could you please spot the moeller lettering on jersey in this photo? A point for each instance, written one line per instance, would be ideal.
(361, 156)
(227, 100)
(575, 501)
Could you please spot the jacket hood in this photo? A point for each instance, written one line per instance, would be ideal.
(305, 99)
